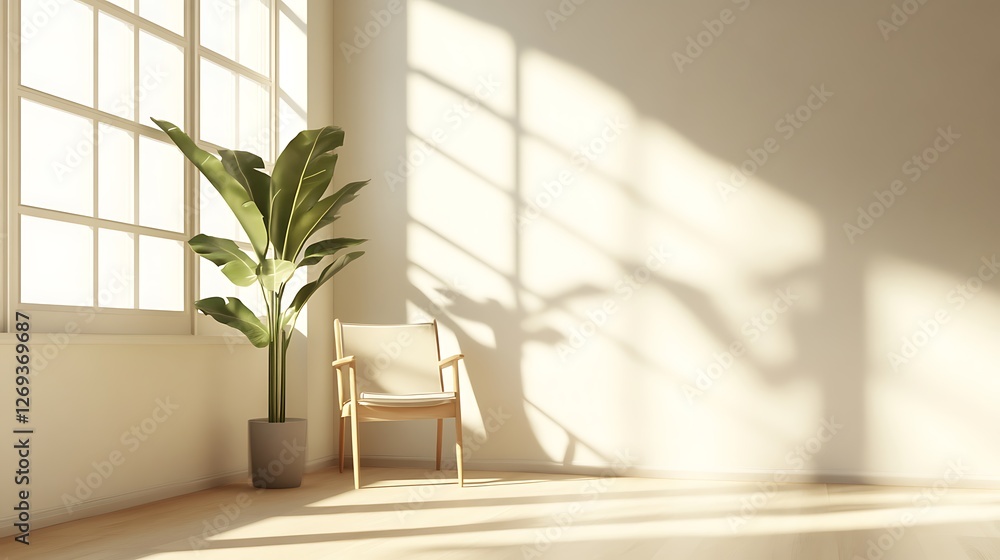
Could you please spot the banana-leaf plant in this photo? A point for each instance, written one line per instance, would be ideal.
(280, 213)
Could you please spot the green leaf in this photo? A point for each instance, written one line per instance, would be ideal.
(236, 265)
(305, 292)
(317, 251)
(310, 221)
(273, 273)
(305, 224)
(244, 167)
(346, 194)
(236, 315)
(235, 195)
(301, 175)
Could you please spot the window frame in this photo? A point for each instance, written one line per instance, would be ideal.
(104, 320)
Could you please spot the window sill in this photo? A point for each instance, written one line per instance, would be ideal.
(89, 339)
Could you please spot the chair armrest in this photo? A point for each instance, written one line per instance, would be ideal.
(450, 360)
(352, 383)
(343, 361)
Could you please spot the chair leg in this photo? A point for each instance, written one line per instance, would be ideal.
(437, 463)
(356, 450)
(340, 452)
(458, 447)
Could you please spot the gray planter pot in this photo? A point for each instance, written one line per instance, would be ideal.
(277, 452)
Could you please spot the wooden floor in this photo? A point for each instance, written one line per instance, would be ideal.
(413, 514)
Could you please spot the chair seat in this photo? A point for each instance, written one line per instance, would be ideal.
(416, 399)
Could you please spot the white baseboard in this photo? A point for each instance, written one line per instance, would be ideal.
(742, 475)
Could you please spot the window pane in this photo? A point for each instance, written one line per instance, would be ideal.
(115, 269)
(161, 274)
(161, 185)
(213, 282)
(57, 159)
(254, 130)
(218, 99)
(67, 280)
(297, 8)
(255, 32)
(292, 61)
(167, 13)
(290, 123)
(218, 26)
(47, 28)
(115, 60)
(161, 80)
(253, 298)
(115, 174)
(215, 217)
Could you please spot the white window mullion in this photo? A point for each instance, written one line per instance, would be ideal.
(237, 139)
(88, 112)
(192, 189)
(96, 222)
(275, 92)
(95, 269)
(236, 36)
(95, 171)
(135, 270)
(96, 55)
(136, 79)
(232, 65)
(135, 86)
(136, 89)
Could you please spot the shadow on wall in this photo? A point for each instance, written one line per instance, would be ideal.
(691, 231)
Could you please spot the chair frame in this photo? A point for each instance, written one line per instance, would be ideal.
(348, 399)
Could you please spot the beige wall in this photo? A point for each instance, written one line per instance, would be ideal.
(615, 139)
(118, 424)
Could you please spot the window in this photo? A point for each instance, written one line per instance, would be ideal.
(101, 203)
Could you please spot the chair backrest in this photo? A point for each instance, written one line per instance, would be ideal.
(394, 359)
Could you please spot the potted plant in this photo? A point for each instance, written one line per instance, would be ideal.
(280, 213)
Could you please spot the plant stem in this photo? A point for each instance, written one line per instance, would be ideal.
(283, 351)
(270, 354)
(275, 373)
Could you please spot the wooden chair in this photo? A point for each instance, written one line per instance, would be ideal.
(394, 372)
